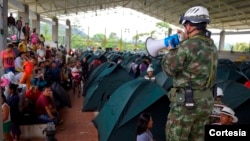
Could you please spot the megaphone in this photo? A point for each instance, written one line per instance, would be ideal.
(153, 46)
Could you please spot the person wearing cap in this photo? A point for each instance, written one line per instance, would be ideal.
(192, 64)
(150, 74)
(227, 116)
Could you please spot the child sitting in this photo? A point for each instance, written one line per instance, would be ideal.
(38, 79)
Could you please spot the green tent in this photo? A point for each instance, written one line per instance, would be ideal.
(227, 73)
(235, 93)
(164, 81)
(127, 61)
(104, 85)
(60, 94)
(117, 119)
(93, 76)
(156, 65)
(237, 96)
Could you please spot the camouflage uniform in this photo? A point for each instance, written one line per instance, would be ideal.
(194, 60)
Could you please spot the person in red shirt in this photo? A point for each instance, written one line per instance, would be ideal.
(33, 94)
(8, 59)
(28, 72)
(45, 107)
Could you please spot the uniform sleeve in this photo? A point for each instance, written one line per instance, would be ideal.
(173, 62)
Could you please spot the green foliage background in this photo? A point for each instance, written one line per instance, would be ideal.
(80, 39)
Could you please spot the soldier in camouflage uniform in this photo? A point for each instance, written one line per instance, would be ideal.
(192, 63)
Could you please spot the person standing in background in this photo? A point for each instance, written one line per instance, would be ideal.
(11, 24)
(15, 114)
(19, 25)
(8, 58)
(26, 32)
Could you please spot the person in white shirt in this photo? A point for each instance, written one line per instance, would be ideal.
(41, 52)
(76, 70)
(150, 74)
(19, 61)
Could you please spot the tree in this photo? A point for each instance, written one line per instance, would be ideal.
(45, 30)
(163, 26)
(77, 42)
(113, 40)
(241, 47)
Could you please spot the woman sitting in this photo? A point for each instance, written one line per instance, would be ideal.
(144, 124)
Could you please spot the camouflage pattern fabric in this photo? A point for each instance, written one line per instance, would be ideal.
(188, 125)
(194, 60)
(191, 60)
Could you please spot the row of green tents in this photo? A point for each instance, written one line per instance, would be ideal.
(120, 98)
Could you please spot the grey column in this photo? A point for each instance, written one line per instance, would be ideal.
(55, 29)
(3, 28)
(68, 35)
(222, 40)
(25, 15)
(36, 24)
(3, 42)
(169, 31)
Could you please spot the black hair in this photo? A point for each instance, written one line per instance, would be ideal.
(40, 63)
(36, 71)
(46, 87)
(142, 123)
(20, 53)
(13, 87)
(10, 45)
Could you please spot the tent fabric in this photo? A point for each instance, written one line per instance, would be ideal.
(230, 74)
(61, 94)
(93, 76)
(164, 81)
(235, 93)
(106, 83)
(242, 113)
(124, 105)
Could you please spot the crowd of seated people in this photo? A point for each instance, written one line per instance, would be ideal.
(26, 82)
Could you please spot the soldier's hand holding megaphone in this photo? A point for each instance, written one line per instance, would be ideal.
(169, 47)
(153, 46)
(181, 36)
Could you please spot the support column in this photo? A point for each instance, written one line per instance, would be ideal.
(36, 24)
(3, 42)
(169, 31)
(24, 15)
(222, 40)
(55, 30)
(68, 35)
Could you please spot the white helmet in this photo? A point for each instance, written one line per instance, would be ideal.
(196, 14)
